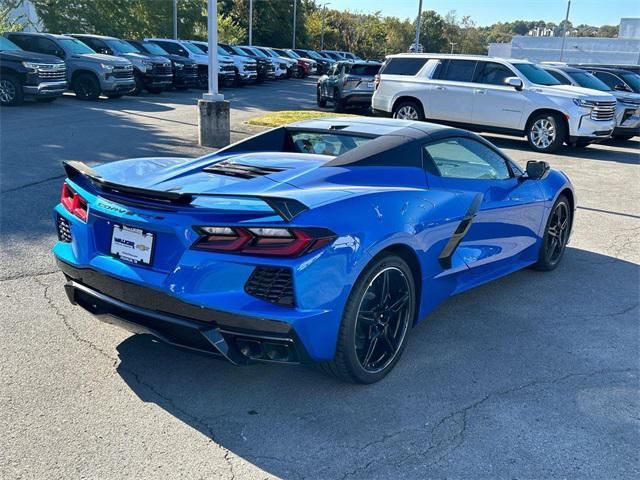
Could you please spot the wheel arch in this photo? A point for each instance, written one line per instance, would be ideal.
(409, 255)
(408, 98)
(83, 71)
(567, 192)
(551, 111)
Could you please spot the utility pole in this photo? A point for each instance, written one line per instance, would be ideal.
(212, 37)
(295, 4)
(418, 26)
(175, 19)
(452, 45)
(564, 29)
(250, 22)
(324, 14)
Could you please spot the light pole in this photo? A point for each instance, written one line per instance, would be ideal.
(452, 45)
(212, 29)
(293, 41)
(175, 19)
(418, 26)
(324, 14)
(564, 29)
(250, 22)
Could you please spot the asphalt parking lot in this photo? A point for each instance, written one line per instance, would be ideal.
(533, 376)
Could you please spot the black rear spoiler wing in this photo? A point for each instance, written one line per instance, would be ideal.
(286, 208)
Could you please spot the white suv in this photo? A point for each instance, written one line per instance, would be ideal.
(493, 95)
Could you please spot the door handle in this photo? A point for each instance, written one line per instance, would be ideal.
(439, 87)
(480, 90)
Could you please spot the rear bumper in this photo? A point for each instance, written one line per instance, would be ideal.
(238, 339)
(358, 98)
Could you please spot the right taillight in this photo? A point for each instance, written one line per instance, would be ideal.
(376, 82)
(74, 203)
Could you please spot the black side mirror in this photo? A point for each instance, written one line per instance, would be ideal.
(537, 170)
(621, 87)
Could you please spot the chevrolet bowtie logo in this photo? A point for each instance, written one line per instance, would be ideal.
(141, 247)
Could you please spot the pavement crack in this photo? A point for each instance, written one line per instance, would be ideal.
(28, 275)
(31, 184)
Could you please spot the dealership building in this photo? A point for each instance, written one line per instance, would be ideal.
(624, 50)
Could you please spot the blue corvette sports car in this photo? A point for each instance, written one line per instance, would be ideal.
(323, 241)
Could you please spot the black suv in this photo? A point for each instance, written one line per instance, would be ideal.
(619, 79)
(26, 74)
(185, 70)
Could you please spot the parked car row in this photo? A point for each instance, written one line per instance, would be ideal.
(45, 65)
(513, 97)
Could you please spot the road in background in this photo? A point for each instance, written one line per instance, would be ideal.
(531, 376)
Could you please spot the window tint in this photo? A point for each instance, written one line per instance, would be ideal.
(364, 70)
(467, 158)
(458, 70)
(44, 45)
(586, 80)
(325, 143)
(558, 76)
(23, 41)
(173, 48)
(403, 66)
(492, 73)
(609, 79)
(535, 74)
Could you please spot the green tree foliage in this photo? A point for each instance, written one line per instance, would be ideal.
(368, 35)
(8, 23)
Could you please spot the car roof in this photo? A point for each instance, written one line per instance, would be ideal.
(41, 34)
(607, 69)
(87, 35)
(457, 56)
(564, 68)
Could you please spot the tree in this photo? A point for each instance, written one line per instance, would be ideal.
(229, 31)
(608, 31)
(7, 22)
(432, 30)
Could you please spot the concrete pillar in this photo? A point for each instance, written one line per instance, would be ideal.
(214, 124)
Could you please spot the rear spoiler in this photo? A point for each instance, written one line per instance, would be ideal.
(286, 208)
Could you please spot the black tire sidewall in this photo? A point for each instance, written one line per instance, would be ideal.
(322, 102)
(90, 80)
(338, 103)
(18, 98)
(347, 337)
(559, 126)
(543, 262)
(417, 107)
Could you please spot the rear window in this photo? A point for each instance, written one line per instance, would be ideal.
(323, 143)
(403, 66)
(363, 70)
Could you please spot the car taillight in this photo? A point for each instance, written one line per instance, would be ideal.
(287, 242)
(376, 82)
(73, 202)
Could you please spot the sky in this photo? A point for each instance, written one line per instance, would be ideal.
(487, 12)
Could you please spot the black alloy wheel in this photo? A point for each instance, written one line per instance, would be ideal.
(86, 87)
(10, 90)
(556, 235)
(376, 322)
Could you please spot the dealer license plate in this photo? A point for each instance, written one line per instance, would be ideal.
(132, 245)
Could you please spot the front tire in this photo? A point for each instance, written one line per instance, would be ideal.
(10, 91)
(86, 87)
(556, 235)
(320, 100)
(546, 132)
(408, 110)
(376, 322)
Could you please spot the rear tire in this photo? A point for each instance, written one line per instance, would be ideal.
(408, 110)
(11, 94)
(338, 102)
(321, 101)
(86, 87)
(375, 326)
(139, 85)
(556, 235)
(546, 132)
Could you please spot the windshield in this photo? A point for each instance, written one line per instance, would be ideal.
(122, 46)
(271, 53)
(535, 74)
(6, 44)
(74, 46)
(325, 143)
(632, 79)
(293, 54)
(227, 49)
(154, 49)
(222, 51)
(239, 51)
(314, 55)
(198, 50)
(587, 80)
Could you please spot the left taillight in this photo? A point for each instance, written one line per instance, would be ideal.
(73, 202)
(269, 241)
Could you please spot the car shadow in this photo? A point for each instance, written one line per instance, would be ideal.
(502, 348)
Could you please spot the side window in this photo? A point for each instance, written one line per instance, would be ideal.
(44, 45)
(25, 42)
(459, 71)
(173, 48)
(492, 73)
(403, 66)
(558, 76)
(608, 78)
(468, 159)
